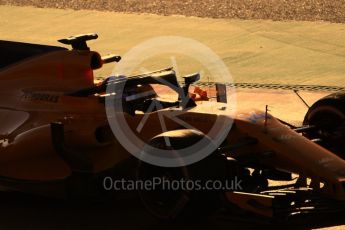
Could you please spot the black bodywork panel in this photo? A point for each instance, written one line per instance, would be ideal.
(12, 52)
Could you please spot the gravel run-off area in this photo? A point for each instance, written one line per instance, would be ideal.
(301, 10)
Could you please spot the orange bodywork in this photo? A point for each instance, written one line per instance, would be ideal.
(34, 93)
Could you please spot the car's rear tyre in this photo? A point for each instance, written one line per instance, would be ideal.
(328, 116)
(182, 203)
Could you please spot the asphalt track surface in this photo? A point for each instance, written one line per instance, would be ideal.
(255, 51)
(21, 211)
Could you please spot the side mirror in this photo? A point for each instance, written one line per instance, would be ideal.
(221, 93)
(188, 80)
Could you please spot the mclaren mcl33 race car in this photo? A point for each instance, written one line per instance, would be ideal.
(57, 140)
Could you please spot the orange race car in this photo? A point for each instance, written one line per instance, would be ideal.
(64, 135)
